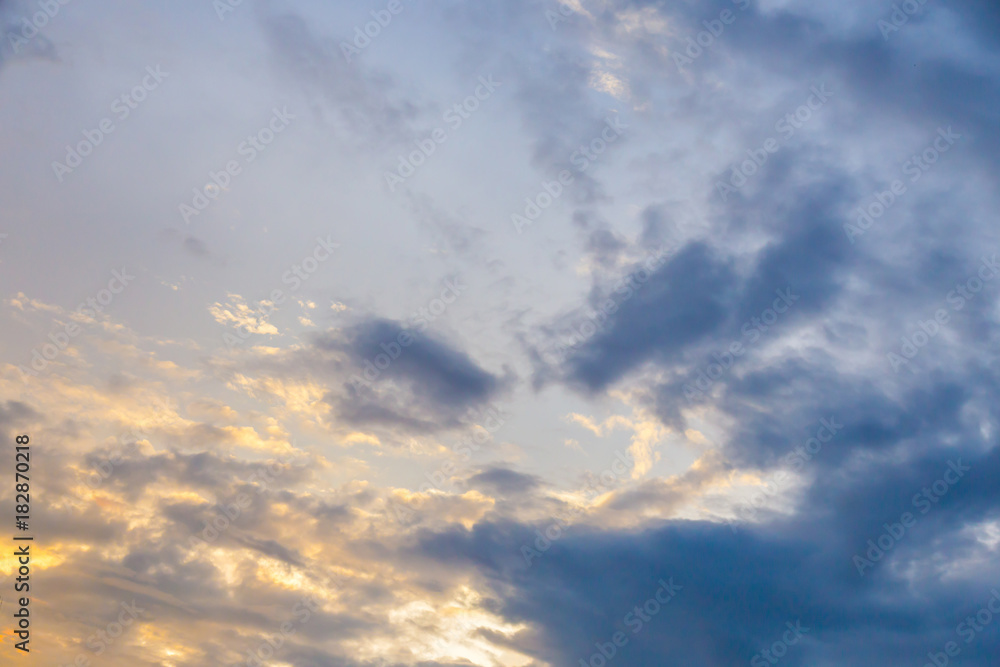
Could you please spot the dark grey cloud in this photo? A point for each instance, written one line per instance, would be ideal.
(900, 432)
(823, 360)
(605, 246)
(683, 301)
(742, 587)
(15, 413)
(271, 548)
(125, 469)
(196, 247)
(192, 246)
(505, 481)
(427, 385)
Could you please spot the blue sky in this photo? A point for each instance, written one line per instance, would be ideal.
(460, 333)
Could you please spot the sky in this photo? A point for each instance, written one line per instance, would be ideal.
(501, 333)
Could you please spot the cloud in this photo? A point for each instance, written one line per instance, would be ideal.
(23, 35)
(683, 301)
(358, 103)
(505, 481)
(236, 313)
(731, 491)
(426, 386)
(742, 587)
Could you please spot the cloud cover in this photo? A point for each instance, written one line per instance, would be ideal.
(826, 458)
